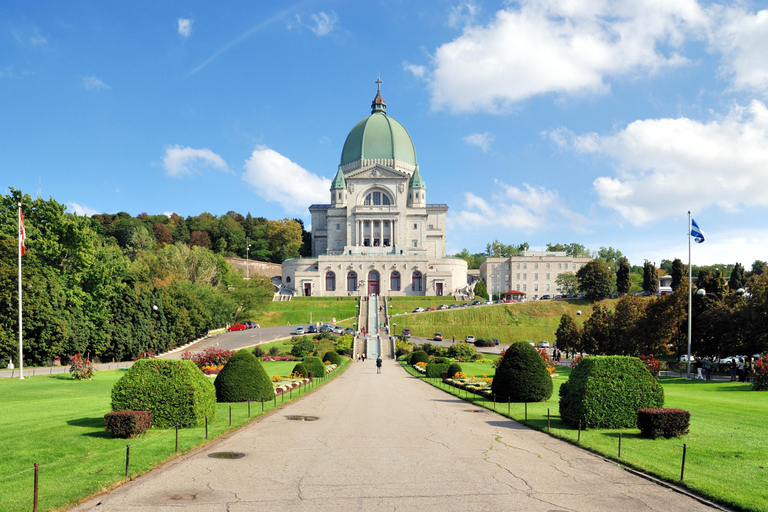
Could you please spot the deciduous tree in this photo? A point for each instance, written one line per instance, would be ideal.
(595, 280)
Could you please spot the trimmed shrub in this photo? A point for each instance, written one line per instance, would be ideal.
(315, 365)
(300, 369)
(607, 392)
(128, 424)
(302, 347)
(462, 350)
(172, 391)
(522, 376)
(243, 378)
(418, 356)
(437, 366)
(333, 357)
(454, 369)
(668, 423)
(484, 342)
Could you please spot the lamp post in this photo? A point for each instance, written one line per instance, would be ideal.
(247, 254)
(394, 329)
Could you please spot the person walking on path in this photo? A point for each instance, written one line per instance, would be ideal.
(378, 364)
(707, 367)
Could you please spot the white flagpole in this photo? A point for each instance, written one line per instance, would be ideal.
(690, 294)
(21, 348)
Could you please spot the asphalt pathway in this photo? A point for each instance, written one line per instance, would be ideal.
(390, 442)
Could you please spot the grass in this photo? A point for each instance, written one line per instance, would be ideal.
(59, 423)
(534, 321)
(727, 450)
(301, 309)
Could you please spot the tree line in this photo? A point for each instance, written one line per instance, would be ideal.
(108, 287)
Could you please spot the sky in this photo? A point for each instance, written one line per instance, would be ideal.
(598, 122)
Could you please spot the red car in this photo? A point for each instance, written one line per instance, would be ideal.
(237, 327)
(429, 309)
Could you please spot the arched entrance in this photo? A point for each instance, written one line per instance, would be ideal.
(373, 283)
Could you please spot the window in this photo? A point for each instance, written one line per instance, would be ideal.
(415, 243)
(525, 275)
(518, 275)
(338, 226)
(525, 288)
(517, 287)
(377, 199)
(559, 266)
(547, 266)
(506, 278)
(431, 226)
(547, 287)
(394, 281)
(535, 287)
(288, 279)
(415, 226)
(351, 282)
(536, 276)
(507, 266)
(525, 265)
(535, 265)
(518, 266)
(330, 282)
(338, 245)
(339, 195)
(416, 281)
(547, 276)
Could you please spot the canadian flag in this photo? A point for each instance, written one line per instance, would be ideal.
(22, 232)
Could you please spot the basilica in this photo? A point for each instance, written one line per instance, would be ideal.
(378, 235)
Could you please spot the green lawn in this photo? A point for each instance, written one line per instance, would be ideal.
(300, 310)
(727, 449)
(534, 321)
(59, 423)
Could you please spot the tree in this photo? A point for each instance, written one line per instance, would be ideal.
(623, 280)
(759, 267)
(573, 249)
(629, 310)
(567, 283)
(597, 335)
(610, 256)
(568, 334)
(678, 272)
(595, 280)
(162, 234)
(481, 290)
(284, 239)
(736, 280)
(650, 278)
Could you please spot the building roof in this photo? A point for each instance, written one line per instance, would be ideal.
(378, 137)
(416, 181)
(338, 181)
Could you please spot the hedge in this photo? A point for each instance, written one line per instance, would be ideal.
(419, 356)
(454, 369)
(301, 370)
(243, 378)
(607, 392)
(667, 423)
(522, 375)
(436, 366)
(128, 424)
(173, 391)
(332, 357)
(315, 365)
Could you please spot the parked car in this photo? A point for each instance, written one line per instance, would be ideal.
(237, 327)
(407, 333)
(469, 339)
(495, 341)
(545, 297)
(684, 358)
(349, 330)
(543, 344)
(437, 337)
(476, 303)
(430, 309)
(325, 328)
(299, 330)
(453, 306)
(531, 343)
(311, 329)
(418, 310)
(466, 304)
(338, 330)
(442, 306)
(488, 302)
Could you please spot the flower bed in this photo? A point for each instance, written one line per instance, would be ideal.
(278, 358)
(287, 384)
(329, 368)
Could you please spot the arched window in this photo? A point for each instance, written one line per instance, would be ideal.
(351, 282)
(373, 275)
(417, 285)
(377, 198)
(330, 282)
(394, 281)
(288, 279)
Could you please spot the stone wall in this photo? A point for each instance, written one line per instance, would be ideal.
(256, 267)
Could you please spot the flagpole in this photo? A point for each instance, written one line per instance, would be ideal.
(21, 347)
(690, 294)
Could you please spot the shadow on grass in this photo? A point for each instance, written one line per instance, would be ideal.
(624, 435)
(87, 422)
(510, 424)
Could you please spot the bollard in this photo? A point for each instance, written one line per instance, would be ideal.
(206, 426)
(262, 403)
(526, 411)
(177, 437)
(249, 408)
(619, 444)
(548, 419)
(579, 439)
(275, 401)
(682, 469)
(509, 405)
(230, 415)
(290, 392)
(34, 504)
(127, 458)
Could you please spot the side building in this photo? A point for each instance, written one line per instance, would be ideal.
(378, 235)
(533, 273)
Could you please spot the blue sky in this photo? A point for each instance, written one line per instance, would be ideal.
(599, 122)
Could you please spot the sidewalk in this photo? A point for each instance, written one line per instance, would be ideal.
(390, 442)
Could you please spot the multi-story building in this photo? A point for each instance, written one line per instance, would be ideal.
(533, 272)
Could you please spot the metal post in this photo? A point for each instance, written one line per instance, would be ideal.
(526, 411)
(548, 423)
(249, 408)
(619, 444)
(509, 405)
(177, 437)
(579, 439)
(206, 426)
(262, 403)
(127, 458)
(34, 505)
(230, 415)
(682, 469)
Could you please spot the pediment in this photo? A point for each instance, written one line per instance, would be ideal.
(377, 172)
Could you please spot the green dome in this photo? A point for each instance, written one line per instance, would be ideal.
(378, 137)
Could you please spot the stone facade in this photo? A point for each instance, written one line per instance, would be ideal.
(378, 234)
(532, 272)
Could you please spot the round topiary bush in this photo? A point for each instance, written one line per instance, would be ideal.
(243, 378)
(437, 366)
(607, 392)
(453, 370)
(332, 357)
(522, 376)
(418, 356)
(315, 365)
(300, 369)
(173, 391)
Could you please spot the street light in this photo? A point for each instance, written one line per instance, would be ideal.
(247, 254)
(394, 329)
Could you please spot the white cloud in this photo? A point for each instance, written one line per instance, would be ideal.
(324, 23)
(480, 140)
(561, 47)
(185, 27)
(81, 210)
(278, 179)
(665, 166)
(416, 70)
(462, 14)
(93, 83)
(29, 35)
(182, 161)
(527, 209)
(742, 38)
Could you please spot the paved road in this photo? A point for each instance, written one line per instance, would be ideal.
(239, 339)
(390, 442)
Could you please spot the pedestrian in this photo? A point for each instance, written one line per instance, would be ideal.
(453, 340)
(699, 366)
(740, 369)
(378, 364)
(363, 356)
(733, 369)
(707, 367)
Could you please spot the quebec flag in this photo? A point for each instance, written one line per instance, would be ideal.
(696, 232)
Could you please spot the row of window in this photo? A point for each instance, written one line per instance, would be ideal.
(535, 288)
(394, 281)
(560, 266)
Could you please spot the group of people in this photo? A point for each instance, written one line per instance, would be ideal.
(361, 359)
(740, 368)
